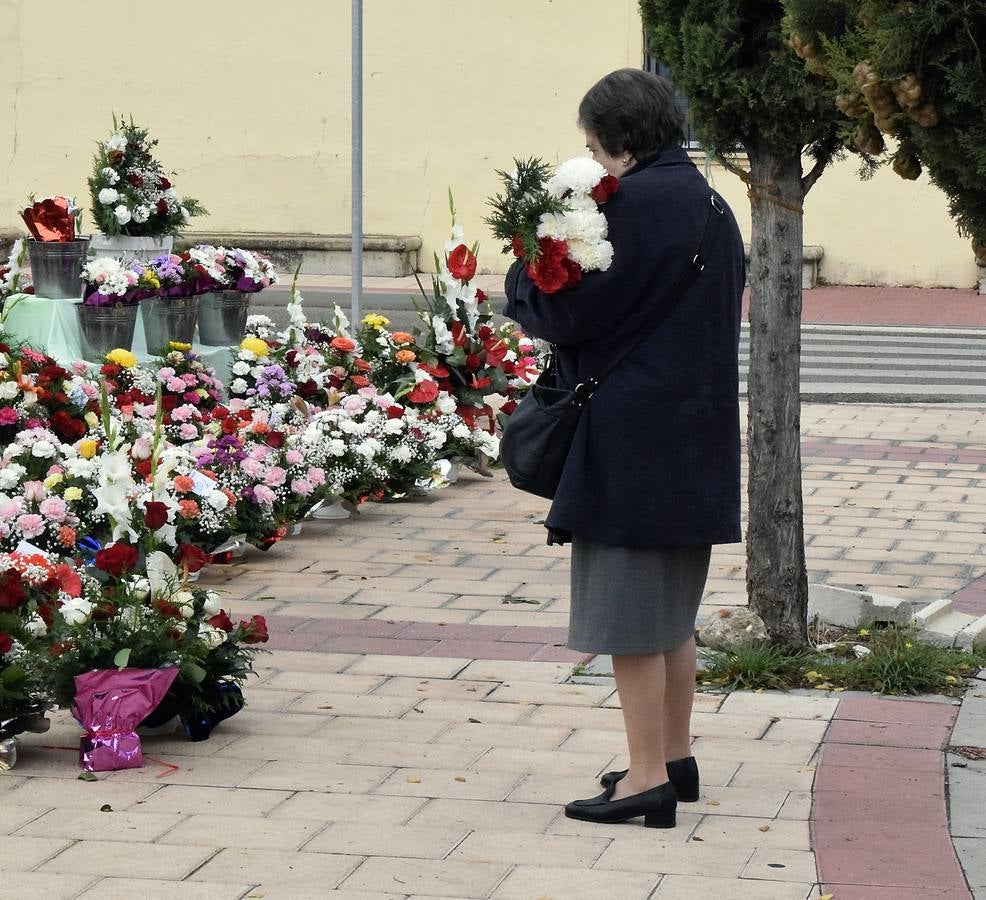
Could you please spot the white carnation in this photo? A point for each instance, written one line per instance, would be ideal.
(122, 214)
(141, 214)
(591, 257)
(108, 196)
(238, 386)
(111, 176)
(241, 368)
(579, 175)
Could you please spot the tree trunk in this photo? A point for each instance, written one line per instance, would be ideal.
(776, 576)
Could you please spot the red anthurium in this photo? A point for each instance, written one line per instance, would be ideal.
(460, 337)
(462, 263)
(424, 392)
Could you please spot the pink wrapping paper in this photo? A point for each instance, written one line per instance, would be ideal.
(109, 704)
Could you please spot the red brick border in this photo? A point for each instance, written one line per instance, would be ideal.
(879, 821)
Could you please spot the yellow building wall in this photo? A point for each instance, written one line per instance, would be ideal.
(250, 100)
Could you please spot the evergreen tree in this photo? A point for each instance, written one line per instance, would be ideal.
(749, 93)
(912, 72)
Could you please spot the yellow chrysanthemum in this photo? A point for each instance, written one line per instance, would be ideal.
(72, 494)
(255, 346)
(122, 357)
(88, 448)
(53, 481)
(180, 346)
(375, 320)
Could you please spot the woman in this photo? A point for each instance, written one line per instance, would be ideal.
(653, 477)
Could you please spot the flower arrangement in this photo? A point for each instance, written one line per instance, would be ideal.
(108, 281)
(130, 192)
(13, 280)
(248, 272)
(553, 222)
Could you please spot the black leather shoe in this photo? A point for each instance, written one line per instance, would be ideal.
(683, 774)
(657, 806)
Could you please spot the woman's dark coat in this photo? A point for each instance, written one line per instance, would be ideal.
(656, 458)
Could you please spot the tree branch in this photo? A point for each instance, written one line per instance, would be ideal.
(742, 174)
(808, 181)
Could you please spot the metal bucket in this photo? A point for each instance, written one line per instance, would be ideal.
(167, 320)
(121, 246)
(104, 328)
(56, 267)
(222, 317)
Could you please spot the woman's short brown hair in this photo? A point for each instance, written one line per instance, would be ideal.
(633, 111)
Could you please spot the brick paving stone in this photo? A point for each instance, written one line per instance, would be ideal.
(915, 736)
(692, 887)
(486, 815)
(493, 735)
(122, 825)
(167, 862)
(187, 800)
(21, 854)
(527, 882)
(45, 885)
(414, 842)
(363, 808)
(245, 832)
(339, 779)
(415, 666)
(274, 868)
(406, 754)
(519, 849)
(750, 831)
(647, 853)
(452, 784)
(125, 888)
(416, 730)
(442, 879)
(461, 687)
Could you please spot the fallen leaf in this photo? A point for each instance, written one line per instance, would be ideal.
(712, 803)
(413, 780)
(764, 828)
(474, 721)
(459, 778)
(106, 808)
(87, 776)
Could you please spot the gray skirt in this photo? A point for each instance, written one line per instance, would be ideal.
(634, 599)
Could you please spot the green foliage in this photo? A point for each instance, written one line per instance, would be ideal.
(746, 87)
(914, 72)
(896, 663)
(518, 209)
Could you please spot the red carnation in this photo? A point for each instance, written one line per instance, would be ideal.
(163, 184)
(116, 559)
(12, 593)
(608, 185)
(255, 631)
(155, 514)
(162, 207)
(518, 246)
(68, 580)
(221, 620)
(192, 557)
(462, 263)
(424, 392)
(6, 643)
(69, 429)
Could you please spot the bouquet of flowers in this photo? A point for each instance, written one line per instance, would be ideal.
(553, 222)
(12, 277)
(130, 192)
(248, 272)
(108, 281)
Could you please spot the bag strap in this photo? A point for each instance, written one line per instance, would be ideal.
(716, 213)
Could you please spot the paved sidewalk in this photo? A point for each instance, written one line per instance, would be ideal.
(415, 731)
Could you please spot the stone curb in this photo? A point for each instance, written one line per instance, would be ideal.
(966, 780)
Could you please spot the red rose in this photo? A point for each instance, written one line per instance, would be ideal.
(221, 620)
(462, 263)
(163, 184)
(116, 559)
(395, 411)
(143, 468)
(308, 388)
(6, 643)
(274, 439)
(192, 557)
(608, 185)
(155, 514)
(162, 207)
(69, 429)
(424, 392)
(255, 631)
(168, 609)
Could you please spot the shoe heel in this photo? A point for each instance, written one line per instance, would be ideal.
(663, 818)
(687, 793)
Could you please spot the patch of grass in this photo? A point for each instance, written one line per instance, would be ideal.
(884, 660)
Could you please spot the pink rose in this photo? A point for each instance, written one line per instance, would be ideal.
(276, 476)
(294, 457)
(264, 495)
(30, 525)
(34, 491)
(302, 486)
(55, 508)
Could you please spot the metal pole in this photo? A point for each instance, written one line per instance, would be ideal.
(357, 159)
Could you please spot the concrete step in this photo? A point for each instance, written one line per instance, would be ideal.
(973, 636)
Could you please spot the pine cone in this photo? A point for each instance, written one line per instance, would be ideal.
(907, 166)
(868, 139)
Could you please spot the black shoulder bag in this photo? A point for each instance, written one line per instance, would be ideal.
(538, 434)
